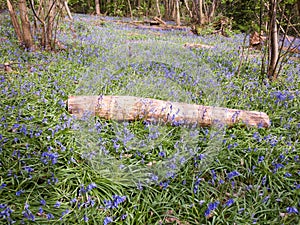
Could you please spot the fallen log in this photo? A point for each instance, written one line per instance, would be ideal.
(129, 108)
(193, 45)
(160, 20)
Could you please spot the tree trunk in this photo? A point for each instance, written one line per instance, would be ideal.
(130, 9)
(26, 29)
(97, 6)
(273, 45)
(212, 10)
(201, 15)
(188, 8)
(68, 10)
(158, 9)
(177, 9)
(50, 24)
(129, 108)
(15, 22)
(167, 9)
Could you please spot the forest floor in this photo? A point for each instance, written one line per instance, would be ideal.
(57, 169)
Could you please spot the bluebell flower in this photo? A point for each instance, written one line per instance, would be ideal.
(43, 202)
(73, 201)
(287, 174)
(266, 199)
(233, 174)
(264, 180)
(154, 178)
(28, 169)
(277, 166)
(162, 154)
(228, 203)
(207, 212)
(213, 205)
(107, 220)
(49, 216)
(241, 210)
(214, 176)
(6, 212)
(90, 187)
(40, 210)
(3, 185)
(260, 159)
(164, 185)
(85, 218)
(115, 202)
(57, 204)
(65, 212)
(291, 210)
(18, 193)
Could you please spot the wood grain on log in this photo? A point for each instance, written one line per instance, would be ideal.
(129, 108)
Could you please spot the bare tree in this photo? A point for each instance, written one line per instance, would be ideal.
(273, 43)
(158, 9)
(46, 16)
(201, 14)
(177, 9)
(97, 6)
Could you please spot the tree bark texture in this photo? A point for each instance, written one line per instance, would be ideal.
(129, 108)
(273, 46)
(158, 9)
(97, 6)
(177, 9)
(68, 10)
(15, 22)
(201, 15)
(26, 29)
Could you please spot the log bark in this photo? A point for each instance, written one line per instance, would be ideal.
(129, 108)
(193, 45)
(160, 20)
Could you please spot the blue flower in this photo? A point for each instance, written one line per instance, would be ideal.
(233, 174)
(287, 174)
(85, 218)
(162, 154)
(43, 202)
(107, 220)
(213, 205)
(207, 212)
(90, 187)
(277, 166)
(291, 210)
(115, 202)
(266, 199)
(260, 159)
(57, 204)
(3, 186)
(18, 193)
(41, 210)
(50, 216)
(228, 203)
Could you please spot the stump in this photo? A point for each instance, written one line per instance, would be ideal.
(130, 108)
